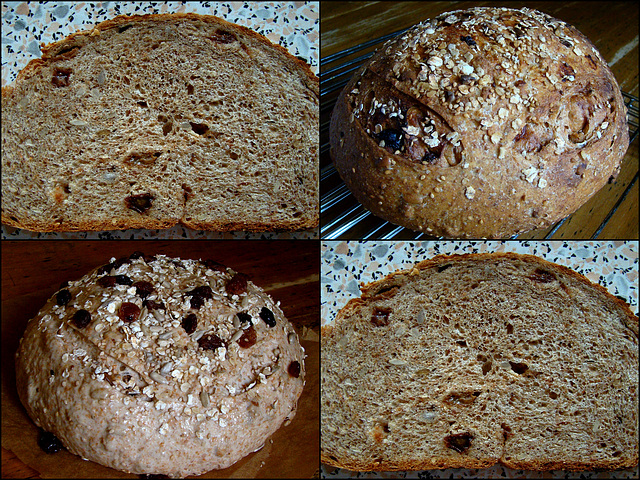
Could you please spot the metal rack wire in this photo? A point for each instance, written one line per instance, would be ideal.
(341, 216)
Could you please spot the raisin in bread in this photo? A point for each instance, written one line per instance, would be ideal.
(157, 365)
(149, 121)
(485, 122)
(469, 360)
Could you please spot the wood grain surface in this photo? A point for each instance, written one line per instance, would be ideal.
(288, 270)
(611, 26)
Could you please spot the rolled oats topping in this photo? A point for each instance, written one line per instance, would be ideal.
(128, 334)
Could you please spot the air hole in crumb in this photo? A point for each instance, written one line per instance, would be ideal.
(519, 368)
(233, 155)
(509, 328)
(189, 89)
(486, 367)
(199, 128)
(553, 395)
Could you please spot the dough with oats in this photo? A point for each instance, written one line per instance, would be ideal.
(184, 374)
(465, 361)
(150, 121)
(484, 122)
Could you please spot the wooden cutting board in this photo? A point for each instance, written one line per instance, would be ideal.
(288, 270)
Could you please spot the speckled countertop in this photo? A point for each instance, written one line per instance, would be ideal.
(25, 25)
(344, 265)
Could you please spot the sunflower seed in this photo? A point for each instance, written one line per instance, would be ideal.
(158, 378)
(397, 361)
(204, 398)
(236, 336)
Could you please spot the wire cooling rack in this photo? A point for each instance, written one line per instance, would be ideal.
(341, 215)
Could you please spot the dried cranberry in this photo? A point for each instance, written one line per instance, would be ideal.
(81, 318)
(139, 203)
(380, 316)
(468, 40)
(294, 369)
(48, 442)
(151, 305)
(123, 280)
(248, 338)
(268, 317)
(542, 276)
(460, 442)
(129, 312)
(189, 323)
(393, 138)
(196, 302)
(237, 285)
(107, 281)
(210, 342)
(430, 157)
(143, 288)
(203, 291)
(244, 317)
(63, 297)
(220, 36)
(449, 96)
(105, 269)
(119, 262)
(215, 266)
(60, 77)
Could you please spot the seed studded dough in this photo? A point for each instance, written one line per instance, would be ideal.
(145, 396)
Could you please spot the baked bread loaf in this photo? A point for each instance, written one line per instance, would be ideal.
(157, 365)
(469, 360)
(150, 121)
(481, 123)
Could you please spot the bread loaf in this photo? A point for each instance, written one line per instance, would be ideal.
(465, 361)
(150, 121)
(481, 123)
(157, 365)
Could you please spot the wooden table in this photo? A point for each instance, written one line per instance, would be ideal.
(288, 270)
(611, 26)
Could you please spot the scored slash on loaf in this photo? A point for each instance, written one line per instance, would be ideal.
(157, 120)
(480, 123)
(158, 365)
(466, 361)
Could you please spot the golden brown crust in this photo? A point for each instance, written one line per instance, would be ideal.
(495, 128)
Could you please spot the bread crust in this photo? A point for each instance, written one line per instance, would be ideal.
(177, 210)
(352, 321)
(472, 125)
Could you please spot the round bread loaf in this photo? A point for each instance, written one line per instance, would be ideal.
(481, 123)
(156, 365)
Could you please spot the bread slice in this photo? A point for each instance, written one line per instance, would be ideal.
(469, 360)
(150, 121)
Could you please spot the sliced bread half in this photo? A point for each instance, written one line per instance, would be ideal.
(469, 360)
(149, 121)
